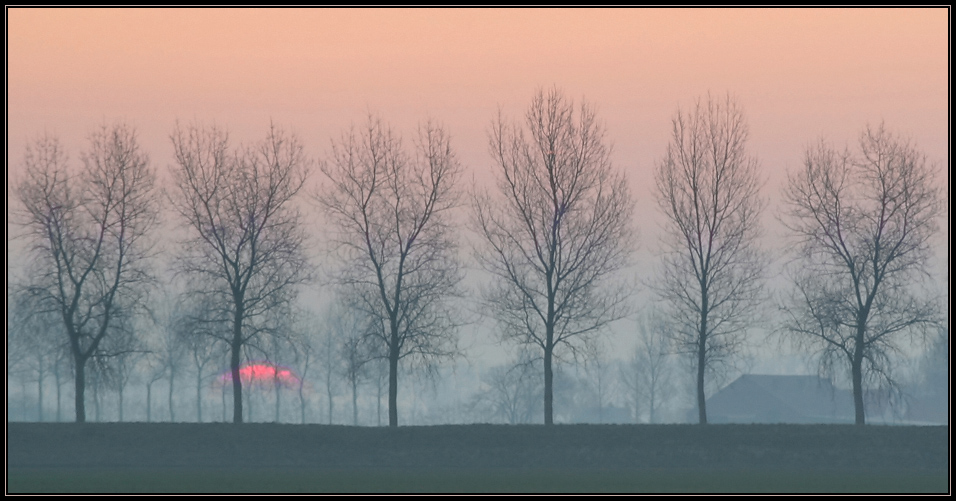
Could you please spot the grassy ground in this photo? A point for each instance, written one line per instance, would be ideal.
(463, 481)
(267, 458)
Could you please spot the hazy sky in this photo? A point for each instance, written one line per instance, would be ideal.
(798, 73)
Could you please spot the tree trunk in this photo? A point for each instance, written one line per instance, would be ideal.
(548, 386)
(172, 379)
(378, 400)
(354, 402)
(701, 398)
(236, 347)
(250, 407)
(40, 390)
(328, 392)
(278, 401)
(301, 401)
(652, 403)
(236, 383)
(23, 398)
(56, 378)
(96, 397)
(80, 390)
(199, 396)
(702, 359)
(393, 385)
(149, 401)
(857, 369)
(121, 403)
(224, 403)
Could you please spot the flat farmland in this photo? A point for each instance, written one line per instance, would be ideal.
(288, 458)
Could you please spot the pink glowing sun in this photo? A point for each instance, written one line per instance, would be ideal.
(263, 373)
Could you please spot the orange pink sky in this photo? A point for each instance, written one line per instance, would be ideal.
(798, 73)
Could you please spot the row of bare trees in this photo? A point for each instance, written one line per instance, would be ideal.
(861, 225)
(178, 361)
(556, 235)
(88, 232)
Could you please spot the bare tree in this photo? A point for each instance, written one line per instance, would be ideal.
(395, 239)
(930, 383)
(599, 381)
(281, 348)
(35, 344)
(556, 232)
(153, 365)
(305, 351)
(863, 225)
(354, 353)
(89, 237)
(708, 189)
(330, 364)
(154, 368)
(246, 251)
(379, 375)
(318, 346)
(173, 352)
(195, 331)
(122, 366)
(165, 348)
(648, 374)
(509, 393)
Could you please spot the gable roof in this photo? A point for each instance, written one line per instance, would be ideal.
(758, 398)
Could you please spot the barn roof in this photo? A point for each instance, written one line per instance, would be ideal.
(762, 398)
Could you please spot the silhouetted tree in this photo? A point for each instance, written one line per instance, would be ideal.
(88, 232)
(509, 393)
(166, 349)
(246, 251)
(196, 331)
(556, 231)
(305, 353)
(122, 366)
(330, 363)
(600, 383)
(154, 370)
(281, 349)
(648, 374)
(35, 344)
(354, 352)
(708, 190)
(931, 381)
(862, 225)
(394, 236)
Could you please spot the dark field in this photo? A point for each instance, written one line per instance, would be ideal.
(267, 458)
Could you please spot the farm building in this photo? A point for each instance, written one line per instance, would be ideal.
(755, 398)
